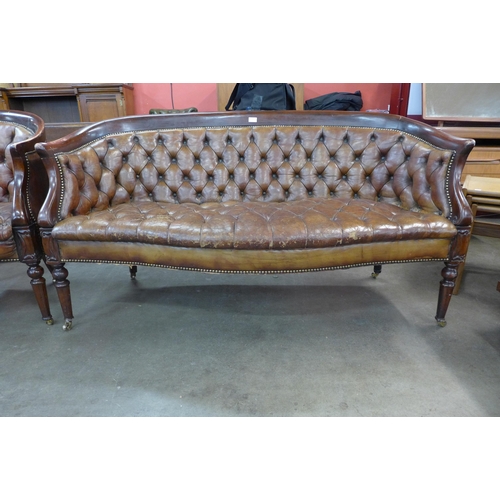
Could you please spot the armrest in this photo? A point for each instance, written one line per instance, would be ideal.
(461, 213)
(74, 185)
(29, 185)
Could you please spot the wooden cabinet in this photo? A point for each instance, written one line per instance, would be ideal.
(69, 106)
(103, 103)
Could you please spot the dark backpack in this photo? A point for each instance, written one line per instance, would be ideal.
(262, 96)
(340, 101)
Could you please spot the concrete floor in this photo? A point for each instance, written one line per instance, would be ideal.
(177, 343)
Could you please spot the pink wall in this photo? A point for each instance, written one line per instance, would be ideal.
(158, 95)
(204, 95)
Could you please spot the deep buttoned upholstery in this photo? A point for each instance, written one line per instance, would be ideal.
(265, 192)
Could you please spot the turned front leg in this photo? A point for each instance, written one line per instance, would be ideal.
(449, 274)
(60, 274)
(35, 272)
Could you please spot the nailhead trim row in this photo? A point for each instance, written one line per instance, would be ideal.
(61, 178)
(28, 178)
(218, 271)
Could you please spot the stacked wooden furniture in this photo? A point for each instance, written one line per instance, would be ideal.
(483, 195)
(484, 159)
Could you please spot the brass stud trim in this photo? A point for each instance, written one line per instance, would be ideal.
(219, 271)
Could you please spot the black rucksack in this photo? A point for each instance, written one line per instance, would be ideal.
(262, 96)
(339, 101)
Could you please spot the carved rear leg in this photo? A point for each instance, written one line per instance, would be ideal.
(35, 272)
(133, 272)
(449, 274)
(60, 273)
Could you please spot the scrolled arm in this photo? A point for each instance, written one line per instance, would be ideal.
(49, 212)
(461, 213)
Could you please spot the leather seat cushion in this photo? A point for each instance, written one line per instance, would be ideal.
(311, 223)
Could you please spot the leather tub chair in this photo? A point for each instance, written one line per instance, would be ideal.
(23, 187)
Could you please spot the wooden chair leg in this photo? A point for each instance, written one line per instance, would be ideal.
(35, 272)
(133, 272)
(461, 266)
(60, 273)
(449, 274)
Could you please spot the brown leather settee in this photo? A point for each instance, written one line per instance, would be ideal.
(265, 192)
(23, 186)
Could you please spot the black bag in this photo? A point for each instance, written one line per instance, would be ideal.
(262, 96)
(340, 101)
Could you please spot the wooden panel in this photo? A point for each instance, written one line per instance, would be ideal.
(480, 170)
(4, 104)
(473, 132)
(128, 97)
(482, 187)
(57, 130)
(97, 107)
(224, 92)
(483, 162)
(50, 109)
(483, 195)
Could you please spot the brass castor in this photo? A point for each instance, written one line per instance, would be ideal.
(377, 269)
(49, 321)
(67, 325)
(441, 322)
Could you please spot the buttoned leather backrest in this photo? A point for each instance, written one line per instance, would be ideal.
(9, 134)
(256, 163)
